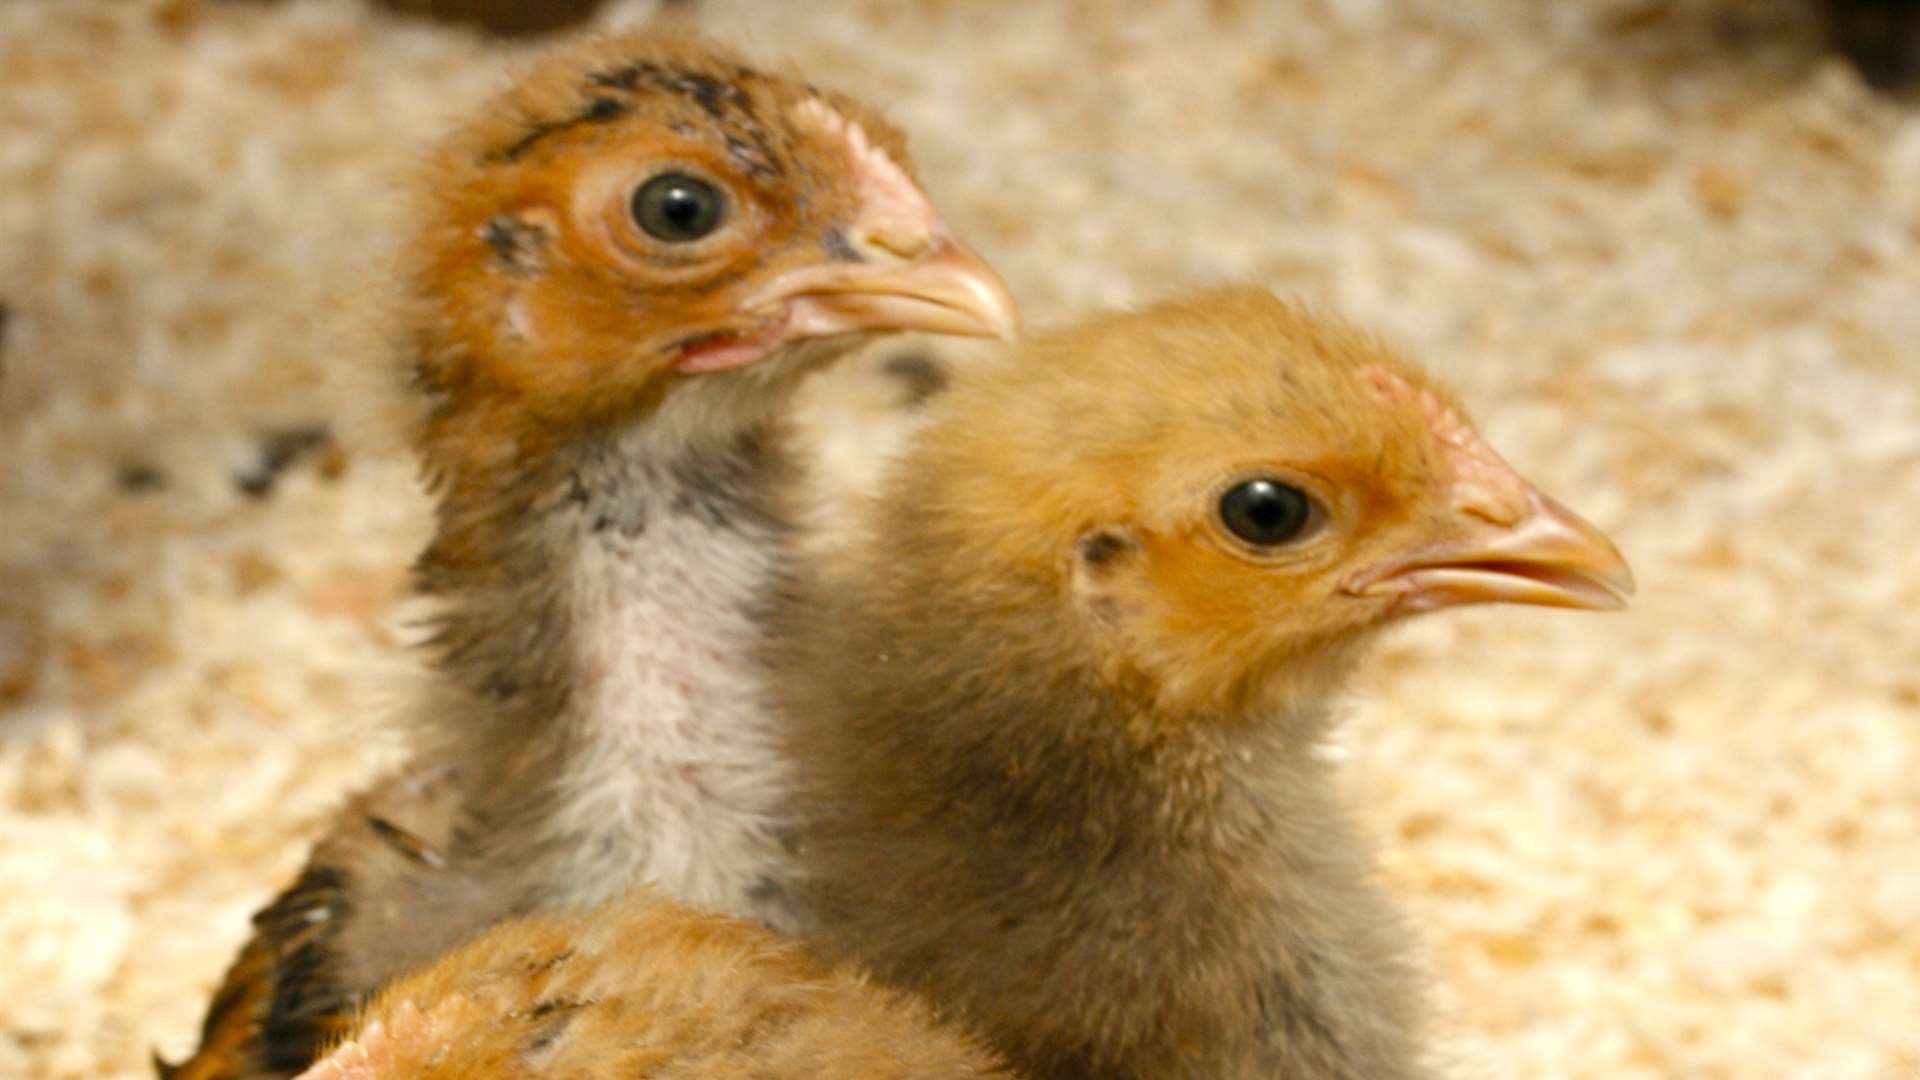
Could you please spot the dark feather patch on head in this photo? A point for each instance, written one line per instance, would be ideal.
(599, 110)
(715, 97)
(1101, 548)
(520, 246)
(726, 103)
(755, 158)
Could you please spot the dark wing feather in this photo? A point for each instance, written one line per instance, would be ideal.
(293, 992)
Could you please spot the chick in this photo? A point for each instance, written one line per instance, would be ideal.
(645, 987)
(625, 264)
(1055, 695)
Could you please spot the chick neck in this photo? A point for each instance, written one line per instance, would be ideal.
(991, 675)
(1102, 887)
(596, 639)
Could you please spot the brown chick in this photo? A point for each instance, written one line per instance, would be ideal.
(645, 987)
(625, 264)
(1056, 694)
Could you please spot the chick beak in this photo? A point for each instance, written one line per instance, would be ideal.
(930, 283)
(1542, 554)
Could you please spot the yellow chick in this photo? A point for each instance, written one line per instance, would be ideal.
(1055, 694)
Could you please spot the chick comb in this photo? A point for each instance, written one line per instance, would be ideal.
(1481, 478)
(883, 185)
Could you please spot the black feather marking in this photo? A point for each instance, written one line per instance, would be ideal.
(501, 686)
(519, 244)
(605, 514)
(754, 156)
(1101, 548)
(563, 1011)
(725, 489)
(279, 450)
(725, 102)
(713, 96)
(922, 376)
(603, 109)
(599, 109)
(139, 478)
(524, 143)
(307, 1002)
(411, 847)
(627, 77)
(833, 240)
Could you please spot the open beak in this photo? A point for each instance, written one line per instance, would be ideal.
(1546, 555)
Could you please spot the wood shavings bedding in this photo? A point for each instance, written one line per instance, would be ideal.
(1668, 251)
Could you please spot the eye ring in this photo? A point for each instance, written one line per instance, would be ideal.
(676, 208)
(1267, 512)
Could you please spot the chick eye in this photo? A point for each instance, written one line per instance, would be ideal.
(1265, 512)
(677, 208)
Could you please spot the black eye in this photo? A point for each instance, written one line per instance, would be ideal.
(1265, 512)
(677, 208)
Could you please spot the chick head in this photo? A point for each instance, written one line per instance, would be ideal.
(643, 207)
(1231, 488)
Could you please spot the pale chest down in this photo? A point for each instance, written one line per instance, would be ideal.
(675, 773)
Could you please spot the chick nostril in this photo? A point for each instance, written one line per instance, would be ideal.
(1488, 507)
(897, 241)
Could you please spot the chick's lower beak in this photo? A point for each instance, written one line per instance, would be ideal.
(1548, 555)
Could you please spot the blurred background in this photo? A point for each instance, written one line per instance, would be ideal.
(1669, 250)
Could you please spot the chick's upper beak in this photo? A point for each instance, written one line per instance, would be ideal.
(1542, 554)
(907, 276)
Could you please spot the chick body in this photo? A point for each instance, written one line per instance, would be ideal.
(623, 267)
(1057, 719)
